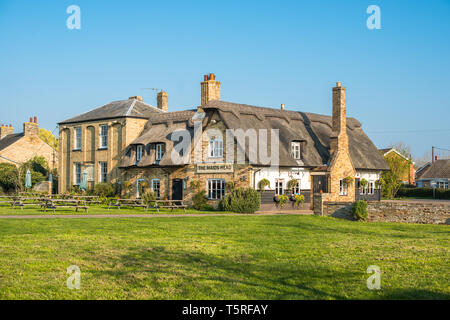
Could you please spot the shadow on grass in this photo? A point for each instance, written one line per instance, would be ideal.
(230, 275)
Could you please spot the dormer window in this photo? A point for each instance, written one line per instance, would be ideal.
(215, 147)
(296, 150)
(159, 151)
(139, 152)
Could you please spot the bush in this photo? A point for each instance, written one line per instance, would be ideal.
(359, 210)
(423, 193)
(148, 197)
(242, 200)
(103, 190)
(199, 200)
(9, 177)
(207, 207)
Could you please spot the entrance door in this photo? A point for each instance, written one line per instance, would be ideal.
(177, 189)
(320, 184)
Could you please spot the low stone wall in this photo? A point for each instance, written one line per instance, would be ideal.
(428, 212)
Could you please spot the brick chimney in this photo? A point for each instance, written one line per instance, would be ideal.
(339, 138)
(5, 131)
(31, 128)
(210, 89)
(163, 100)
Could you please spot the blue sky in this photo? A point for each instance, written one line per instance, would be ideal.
(264, 53)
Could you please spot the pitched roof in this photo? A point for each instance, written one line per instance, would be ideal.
(437, 170)
(9, 140)
(131, 108)
(313, 129)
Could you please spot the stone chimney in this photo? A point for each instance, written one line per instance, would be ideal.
(339, 138)
(210, 89)
(31, 128)
(139, 98)
(5, 131)
(163, 100)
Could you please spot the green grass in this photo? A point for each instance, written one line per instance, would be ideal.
(94, 210)
(236, 257)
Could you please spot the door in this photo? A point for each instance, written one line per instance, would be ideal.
(177, 189)
(320, 184)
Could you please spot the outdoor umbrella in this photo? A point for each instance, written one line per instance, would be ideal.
(50, 178)
(28, 179)
(84, 181)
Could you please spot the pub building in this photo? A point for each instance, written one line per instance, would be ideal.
(168, 150)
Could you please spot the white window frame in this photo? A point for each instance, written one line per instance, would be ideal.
(77, 138)
(104, 136)
(442, 184)
(215, 147)
(77, 173)
(215, 188)
(156, 187)
(139, 152)
(343, 188)
(159, 151)
(296, 150)
(279, 186)
(103, 176)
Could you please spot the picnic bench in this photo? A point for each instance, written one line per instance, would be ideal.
(53, 204)
(126, 203)
(170, 204)
(25, 201)
(9, 201)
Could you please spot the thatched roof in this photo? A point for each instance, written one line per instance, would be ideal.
(313, 130)
(131, 108)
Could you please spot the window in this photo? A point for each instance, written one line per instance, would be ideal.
(156, 187)
(77, 138)
(216, 189)
(342, 188)
(139, 153)
(103, 172)
(215, 147)
(442, 184)
(104, 136)
(159, 151)
(279, 189)
(77, 173)
(295, 150)
(370, 187)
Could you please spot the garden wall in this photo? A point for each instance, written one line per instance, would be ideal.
(428, 212)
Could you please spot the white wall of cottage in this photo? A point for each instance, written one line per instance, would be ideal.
(368, 175)
(272, 174)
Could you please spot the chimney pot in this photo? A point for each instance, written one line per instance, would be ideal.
(35, 119)
(282, 106)
(338, 84)
(31, 119)
(436, 158)
(212, 76)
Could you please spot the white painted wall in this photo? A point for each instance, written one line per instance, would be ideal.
(368, 175)
(272, 174)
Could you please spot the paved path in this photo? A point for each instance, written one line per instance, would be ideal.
(72, 216)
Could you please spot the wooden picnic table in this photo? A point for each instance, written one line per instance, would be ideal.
(170, 204)
(126, 203)
(53, 204)
(22, 201)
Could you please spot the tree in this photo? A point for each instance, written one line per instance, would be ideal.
(402, 148)
(391, 180)
(38, 167)
(49, 138)
(9, 177)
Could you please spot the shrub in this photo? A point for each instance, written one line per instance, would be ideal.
(9, 177)
(199, 200)
(263, 183)
(242, 200)
(148, 197)
(423, 193)
(103, 190)
(207, 207)
(359, 210)
(230, 185)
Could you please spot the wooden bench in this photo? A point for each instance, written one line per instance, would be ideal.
(126, 203)
(24, 201)
(54, 204)
(170, 204)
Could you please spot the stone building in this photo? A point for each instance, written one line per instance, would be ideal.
(16, 148)
(95, 141)
(220, 142)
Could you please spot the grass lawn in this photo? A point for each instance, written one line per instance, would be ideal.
(94, 210)
(236, 257)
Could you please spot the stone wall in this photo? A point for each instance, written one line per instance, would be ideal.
(428, 212)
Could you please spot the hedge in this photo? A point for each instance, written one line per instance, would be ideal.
(423, 193)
